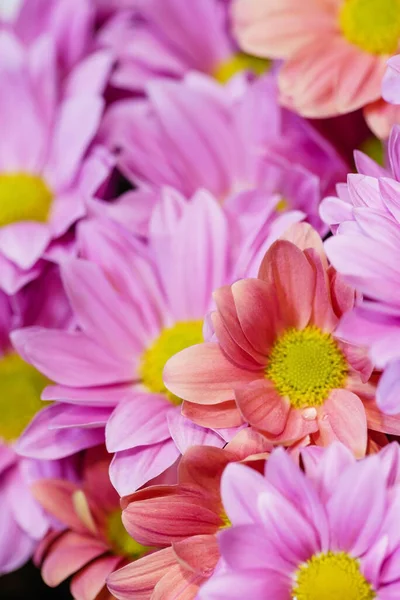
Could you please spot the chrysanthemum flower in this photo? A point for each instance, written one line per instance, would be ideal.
(134, 310)
(330, 532)
(167, 38)
(366, 219)
(278, 363)
(22, 521)
(244, 141)
(93, 541)
(335, 52)
(183, 519)
(68, 23)
(42, 187)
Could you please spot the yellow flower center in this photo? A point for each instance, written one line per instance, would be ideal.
(120, 540)
(331, 576)
(23, 197)
(240, 62)
(372, 25)
(20, 388)
(170, 341)
(282, 205)
(305, 365)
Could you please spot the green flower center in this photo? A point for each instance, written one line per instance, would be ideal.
(240, 62)
(23, 197)
(372, 25)
(305, 366)
(21, 386)
(331, 576)
(120, 540)
(170, 341)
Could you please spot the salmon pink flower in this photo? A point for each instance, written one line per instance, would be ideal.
(93, 541)
(134, 309)
(43, 189)
(277, 363)
(327, 533)
(334, 52)
(183, 519)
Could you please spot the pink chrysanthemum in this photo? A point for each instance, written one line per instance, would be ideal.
(43, 187)
(183, 519)
(22, 521)
(93, 541)
(134, 310)
(244, 142)
(169, 38)
(330, 532)
(278, 364)
(335, 52)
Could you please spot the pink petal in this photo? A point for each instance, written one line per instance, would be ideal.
(199, 553)
(185, 433)
(89, 582)
(242, 507)
(131, 469)
(139, 420)
(216, 416)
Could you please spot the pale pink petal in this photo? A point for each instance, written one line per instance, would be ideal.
(202, 374)
(185, 433)
(139, 420)
(199, 553)
(131, 469)
(343, 418)
(178, 581)
(242, 507)
(23, 243)
(216, 416)
(56, 497)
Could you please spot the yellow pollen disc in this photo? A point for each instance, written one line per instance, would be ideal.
(305, 366)
(240, 62)
(372, 25)
(282, 205)
(21, 386)
(331, 576)
(120, 540)
(171, 341)
(226, 522)
(23, 197)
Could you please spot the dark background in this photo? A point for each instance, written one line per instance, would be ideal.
(27, 584)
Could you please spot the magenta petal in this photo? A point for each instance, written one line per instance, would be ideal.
(388, 393)
(241, 507)
(131, 469)
(139, 420)
(23, 243)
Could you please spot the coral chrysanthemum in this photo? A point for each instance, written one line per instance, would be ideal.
(327, 533)
(277, 363)
(183, 519)
(335, 52)
(92, 541)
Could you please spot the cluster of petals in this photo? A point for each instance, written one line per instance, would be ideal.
(283, 520)
(243, 145)
(124, 294)
(365, 218)
(326, 71)
(182, 520)
(225, 381)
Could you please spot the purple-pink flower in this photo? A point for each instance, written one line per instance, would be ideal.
(46, 170)
(328, 532)
(229, 140)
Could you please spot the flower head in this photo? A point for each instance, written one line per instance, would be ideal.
(43, 189)
(92, 541)
(277, 363)
(243, 143)
(341, 46)
(310, 536)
